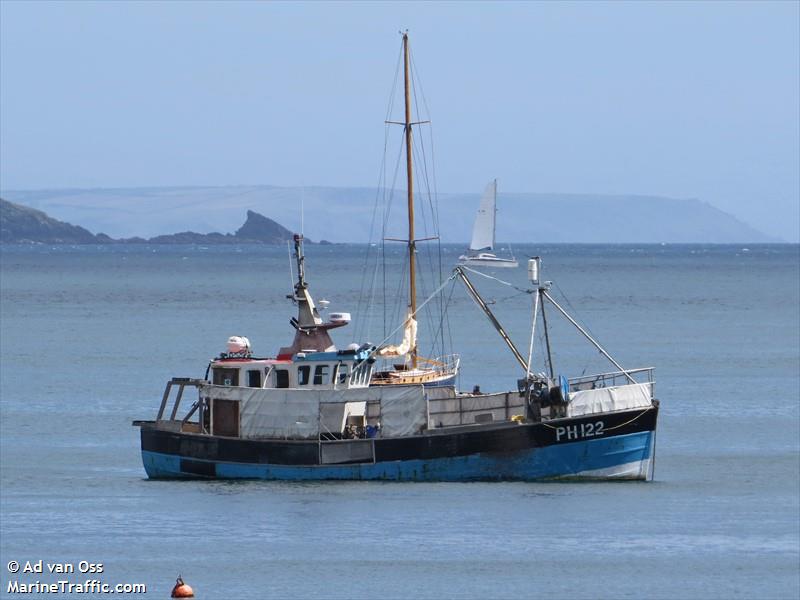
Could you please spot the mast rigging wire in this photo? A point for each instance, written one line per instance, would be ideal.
(381, 189)
(425, 255)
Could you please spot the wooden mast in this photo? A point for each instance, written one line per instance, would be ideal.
(410, 184)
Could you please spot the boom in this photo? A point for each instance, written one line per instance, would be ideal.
(495, 323)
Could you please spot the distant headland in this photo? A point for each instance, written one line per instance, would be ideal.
(351, 215)
(24, 225)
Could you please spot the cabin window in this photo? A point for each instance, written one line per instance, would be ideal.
(281, 378)
(342, 373)
(321, 374)
(254, 379)
(226, 376)
(303, 374)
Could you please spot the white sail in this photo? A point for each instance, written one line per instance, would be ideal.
(408, 343)
(483, 230)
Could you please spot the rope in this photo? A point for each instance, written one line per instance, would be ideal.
(414, 315)
(427, 257)
(574, 312)
(511, 285)
(428, 209)
(444, 324)
(368, 303)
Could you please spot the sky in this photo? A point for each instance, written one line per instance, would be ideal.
(678, 99)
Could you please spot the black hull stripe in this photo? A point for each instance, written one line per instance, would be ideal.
(495, 439)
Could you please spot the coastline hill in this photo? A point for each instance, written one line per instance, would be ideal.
(21, 224)
(346, 215)
(257, 229)
(24, 225)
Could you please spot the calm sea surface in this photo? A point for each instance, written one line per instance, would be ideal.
(89, 336)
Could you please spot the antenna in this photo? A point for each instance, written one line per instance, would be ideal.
(291, 271)
(494, 217)
(302, 209)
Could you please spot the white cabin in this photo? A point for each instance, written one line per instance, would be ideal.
(341, 369)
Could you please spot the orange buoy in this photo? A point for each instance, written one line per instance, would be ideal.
(181, 590)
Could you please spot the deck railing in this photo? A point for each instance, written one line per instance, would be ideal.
(442, 364)
(614, 378)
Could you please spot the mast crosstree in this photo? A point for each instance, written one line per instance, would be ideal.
(411, 241)
(440, 371)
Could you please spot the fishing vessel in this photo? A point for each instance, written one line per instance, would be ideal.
(317, 412)
(484, 233)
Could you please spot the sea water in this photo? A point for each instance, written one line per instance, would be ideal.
(89, 335)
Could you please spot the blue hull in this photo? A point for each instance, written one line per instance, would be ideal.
(618, 457)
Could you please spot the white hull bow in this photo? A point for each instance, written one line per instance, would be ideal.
(487, 260)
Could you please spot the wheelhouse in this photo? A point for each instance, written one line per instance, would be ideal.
(340, 369)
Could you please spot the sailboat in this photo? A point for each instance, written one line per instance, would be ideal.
(415, 369)
(483, 234)
(318, 412)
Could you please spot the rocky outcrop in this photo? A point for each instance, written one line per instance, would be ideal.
(24, 225)
(258, 228)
